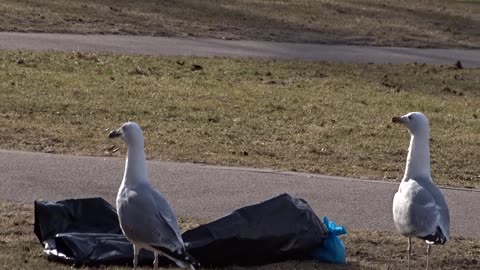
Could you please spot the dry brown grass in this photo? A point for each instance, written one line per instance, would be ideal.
(409, 23)
(19, 249)
(319, 117)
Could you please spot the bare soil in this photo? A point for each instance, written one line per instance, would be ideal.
(20, 249)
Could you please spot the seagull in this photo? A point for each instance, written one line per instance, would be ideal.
(146, 218)
(419, 208)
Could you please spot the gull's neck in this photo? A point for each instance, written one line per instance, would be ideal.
(135, 165)
(418, 159)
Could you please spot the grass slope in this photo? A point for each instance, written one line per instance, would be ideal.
(409, 23)
(318, 117)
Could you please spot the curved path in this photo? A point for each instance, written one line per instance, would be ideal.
(213, 47)
(210, 191)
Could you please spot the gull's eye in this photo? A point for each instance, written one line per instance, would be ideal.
(410, 117)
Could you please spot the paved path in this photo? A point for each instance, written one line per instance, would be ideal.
(209, 191)
(214, 47)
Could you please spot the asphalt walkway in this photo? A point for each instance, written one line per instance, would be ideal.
(149, 45)
(209, 192)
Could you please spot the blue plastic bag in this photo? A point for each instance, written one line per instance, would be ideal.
(332, 250)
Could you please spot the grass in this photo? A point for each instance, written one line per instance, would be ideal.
(20, 249)
(411, 23)
(318, 117)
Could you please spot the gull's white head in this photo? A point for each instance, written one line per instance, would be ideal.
(130, 132)
(416, 122)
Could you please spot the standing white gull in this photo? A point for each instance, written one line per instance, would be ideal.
(146, 218)
(419, 208)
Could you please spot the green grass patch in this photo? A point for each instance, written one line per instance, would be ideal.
(20, 249)
(390, 22)
(318, 117)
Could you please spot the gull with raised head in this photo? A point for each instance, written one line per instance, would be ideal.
(146, 218)
(419, 208)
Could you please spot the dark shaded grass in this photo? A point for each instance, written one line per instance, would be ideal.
(370, 22)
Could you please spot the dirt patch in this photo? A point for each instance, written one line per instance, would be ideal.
(19, 248)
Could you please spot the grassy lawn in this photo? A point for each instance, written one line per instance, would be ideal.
(20, 249)
(411, 23)
(319, 117)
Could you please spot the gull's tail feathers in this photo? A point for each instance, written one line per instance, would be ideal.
(438, 237)
(181, 257)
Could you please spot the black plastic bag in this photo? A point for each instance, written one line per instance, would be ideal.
(278, 229)
(86, 232)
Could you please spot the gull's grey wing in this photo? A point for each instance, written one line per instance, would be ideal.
(167, 215)
(443, 212)
(420, 209)
(146, 218)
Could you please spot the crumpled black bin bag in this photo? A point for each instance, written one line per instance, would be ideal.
(80, 249)
(278, 229)
(86, 232)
